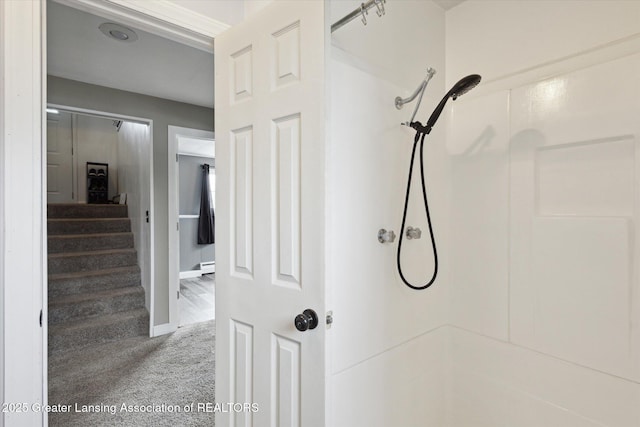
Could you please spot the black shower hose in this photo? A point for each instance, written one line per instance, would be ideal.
(419, 136)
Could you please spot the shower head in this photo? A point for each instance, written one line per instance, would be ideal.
(463, 86)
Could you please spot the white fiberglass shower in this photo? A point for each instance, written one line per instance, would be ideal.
(533, 186)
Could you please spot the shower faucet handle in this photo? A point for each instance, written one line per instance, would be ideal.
(413, 233)
(385, 236)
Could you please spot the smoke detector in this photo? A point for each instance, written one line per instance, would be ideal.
(118, 32)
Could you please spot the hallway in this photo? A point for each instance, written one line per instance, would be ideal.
(160, 375)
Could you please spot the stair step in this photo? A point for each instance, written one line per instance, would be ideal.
(88, 226)
(93, 281)
(91, 260)
(89, 242)
(81, 333)
(77, 210)
(93, 304)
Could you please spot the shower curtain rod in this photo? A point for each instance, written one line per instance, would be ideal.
(363, 10)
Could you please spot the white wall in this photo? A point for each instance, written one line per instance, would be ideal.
(252, 6)
(496, 38)
(544, 214)
(134, 152)
(388, 362)
(228, 11)
(97, 141)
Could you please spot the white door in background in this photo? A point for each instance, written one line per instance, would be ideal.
(270, 149)
(59, 158)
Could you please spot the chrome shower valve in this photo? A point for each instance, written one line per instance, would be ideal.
(413, 233)
(385, 236)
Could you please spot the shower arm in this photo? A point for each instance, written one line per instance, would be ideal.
(420, 90)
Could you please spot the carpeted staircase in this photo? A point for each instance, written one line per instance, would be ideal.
(95, 294)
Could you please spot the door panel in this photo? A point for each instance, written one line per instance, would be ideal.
(241, 146)
(59, 158)
(270, 77)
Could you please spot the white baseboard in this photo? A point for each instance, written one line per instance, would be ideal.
(190, 274)
(163, 329)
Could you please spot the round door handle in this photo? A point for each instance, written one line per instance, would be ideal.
(307, 320)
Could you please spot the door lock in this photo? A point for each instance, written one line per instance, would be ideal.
(307, 320)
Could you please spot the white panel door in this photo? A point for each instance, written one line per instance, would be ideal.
(59, 158)
(270, 97)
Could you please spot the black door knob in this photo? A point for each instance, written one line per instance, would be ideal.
(307, 320)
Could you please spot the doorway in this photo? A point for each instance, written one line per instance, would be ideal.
(151, 86)
(24, 98)
(124, 145)
(100, 250)
(160, 112)
(192, 265)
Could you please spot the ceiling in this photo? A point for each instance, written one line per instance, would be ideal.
(152, 65)
(448, 4)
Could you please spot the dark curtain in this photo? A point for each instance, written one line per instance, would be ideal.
(206, 222)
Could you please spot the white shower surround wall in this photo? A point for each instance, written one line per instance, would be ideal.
(389, 346)
(544, 214)
(534, 193)
(550, 294)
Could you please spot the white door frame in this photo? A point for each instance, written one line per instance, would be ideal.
(175, 132)
(23, 245)
(23, 193)
(162, 18)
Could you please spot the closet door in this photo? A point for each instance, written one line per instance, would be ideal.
(270, 148)
(59, 159)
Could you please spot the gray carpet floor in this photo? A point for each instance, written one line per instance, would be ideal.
(153, 373)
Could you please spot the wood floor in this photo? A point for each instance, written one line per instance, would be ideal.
(197, 299)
